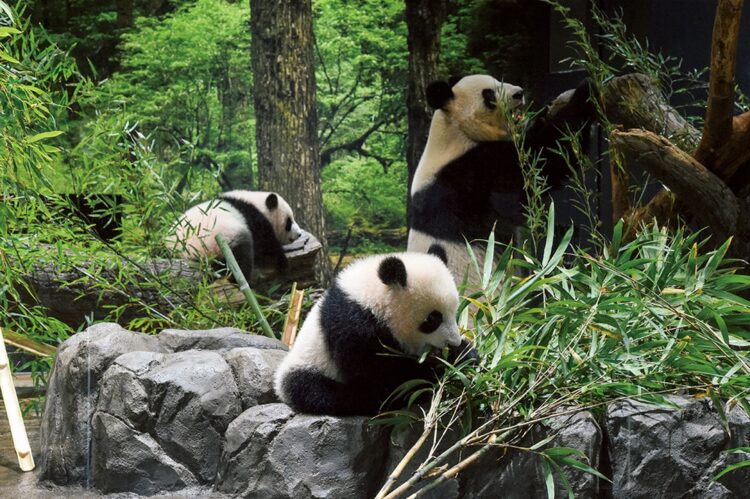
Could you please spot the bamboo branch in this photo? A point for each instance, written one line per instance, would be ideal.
(709, 199)
(718, 124)
(458, 468)
(244, 286)
(429, 424)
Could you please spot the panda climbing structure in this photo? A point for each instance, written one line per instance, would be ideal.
(470, 158)
(346, 359)
(256, 224)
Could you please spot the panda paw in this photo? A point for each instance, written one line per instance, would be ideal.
(464, 352)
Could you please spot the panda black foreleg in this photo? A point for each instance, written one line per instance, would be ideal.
(242, 248)
(269, 250)
(311, 392)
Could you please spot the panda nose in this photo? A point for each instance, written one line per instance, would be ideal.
(518, 95)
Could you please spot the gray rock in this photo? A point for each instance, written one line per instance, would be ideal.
(223, 338)
(519, 474)
(271, 453)
(174, 409)
(253, 370)
(661, 451)
(126, 460)
(72, 395)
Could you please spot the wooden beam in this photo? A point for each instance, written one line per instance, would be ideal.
(706, 195)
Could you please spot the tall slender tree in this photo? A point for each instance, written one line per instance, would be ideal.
(286, 119)
(424, 19)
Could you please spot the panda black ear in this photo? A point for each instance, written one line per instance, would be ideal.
(438, 94)
(392, 271)
(454, 79)
(438, 251)
(272, 201)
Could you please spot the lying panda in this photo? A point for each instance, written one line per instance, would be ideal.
(342, 362)
(256, 224)
(470, 157)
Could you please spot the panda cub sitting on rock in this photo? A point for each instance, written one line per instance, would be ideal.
(343, 361)
(256, 224)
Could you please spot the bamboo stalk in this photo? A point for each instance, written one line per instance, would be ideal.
(244, 286)
(13, 410)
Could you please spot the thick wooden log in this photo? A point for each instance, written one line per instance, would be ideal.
(635, 101)
(718, 124)
(156, 287)
(708, 197)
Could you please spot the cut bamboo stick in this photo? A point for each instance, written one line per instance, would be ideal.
(291, 323)
(13, 410)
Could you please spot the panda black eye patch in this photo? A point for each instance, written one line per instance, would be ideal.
(489, 98)
(431, 323)
(288, 224)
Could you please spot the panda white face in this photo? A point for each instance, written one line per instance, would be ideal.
(414, 293)
(480, 106)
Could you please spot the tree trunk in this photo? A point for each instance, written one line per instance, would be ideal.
(286, 119)
(424, 19)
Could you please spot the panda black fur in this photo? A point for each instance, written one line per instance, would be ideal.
(340, 363)
(255, 223)
(470, 157)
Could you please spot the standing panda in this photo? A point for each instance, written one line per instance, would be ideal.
(470, 159)
(343, 361)
(256, 224)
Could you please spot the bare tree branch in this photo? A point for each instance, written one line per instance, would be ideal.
(718, 125)
(710, 200)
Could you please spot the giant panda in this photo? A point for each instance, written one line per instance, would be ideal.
(342, 362)
(470, 160)
(256, 224)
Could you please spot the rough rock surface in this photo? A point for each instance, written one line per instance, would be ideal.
(132, 413)
(223, 338)
(72, 394)
(519, 474)
(272, 453)
(664, 452)
(160, 420)
(254, 370)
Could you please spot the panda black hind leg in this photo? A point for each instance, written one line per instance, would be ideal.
(311, 392)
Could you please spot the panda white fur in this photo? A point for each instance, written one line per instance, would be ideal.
(340, 363)
(469, 157)
(256, 224)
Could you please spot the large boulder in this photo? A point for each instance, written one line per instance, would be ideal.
(169, 397)
(658, 451)
(160, 412)
(272, 453)
(72, 394)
